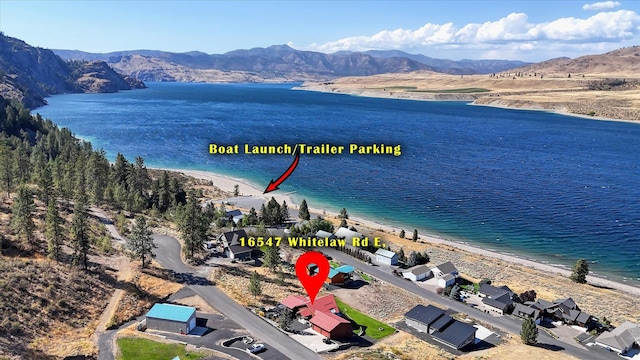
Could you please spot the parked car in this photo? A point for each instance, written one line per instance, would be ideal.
(256, 348)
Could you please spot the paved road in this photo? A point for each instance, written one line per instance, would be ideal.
(506, 323)
(168, 255)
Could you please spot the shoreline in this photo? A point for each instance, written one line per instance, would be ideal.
(247, 189)
(470, 98)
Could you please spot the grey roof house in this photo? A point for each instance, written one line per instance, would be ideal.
(442, 327)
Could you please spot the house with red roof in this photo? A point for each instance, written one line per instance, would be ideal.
(323, 314)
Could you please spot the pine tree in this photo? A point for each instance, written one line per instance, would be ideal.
(45, 183)
(22, 221)
(303, 212)
(529, 332)
(193, 225)
(80, 235)
(236, 190)
(272, 258)
(580, 272)
(53, 231)
(141, 243)
(343, 223)
(284, 212)
(401, 255)
(255, 287)
(7, 171)
(344, 214)
(401, 234)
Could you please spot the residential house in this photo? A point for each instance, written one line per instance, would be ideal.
(417, 273)
(339, 275)
(233, 245)
(527, 312)
(321, 234)
(444, 269)
(348, 235)
(621, 339)
(446, 280)
(235, 216)
(496, 299)
(565, 310)
(442, 327)
(323, 314)
(386, 257)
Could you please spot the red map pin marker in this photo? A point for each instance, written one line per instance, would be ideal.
(312, 283)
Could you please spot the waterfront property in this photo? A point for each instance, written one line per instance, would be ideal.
(442, 327)
(527, 312)
(443, 269)
(386, 257)
(348, 235)
(171, 318)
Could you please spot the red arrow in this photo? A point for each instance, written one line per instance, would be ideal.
(273, 185)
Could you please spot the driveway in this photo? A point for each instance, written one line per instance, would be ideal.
(279, 344)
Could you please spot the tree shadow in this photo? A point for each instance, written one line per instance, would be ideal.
(549, 347)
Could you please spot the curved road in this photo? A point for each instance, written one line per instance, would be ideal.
(168, 255)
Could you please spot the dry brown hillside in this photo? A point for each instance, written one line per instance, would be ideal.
(621, 62)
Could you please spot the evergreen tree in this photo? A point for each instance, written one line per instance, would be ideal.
(141, 243)
(401, 255)
(344, 214)
(193, 225)
(272, 258)
(401, 234)
(529, 332)
(45, 183)
(303, 211)
(255, 287)
(164, 198)
(343, 223)
(285, 317)
(284, 212)
(80, 235)
(22, 221)
(252, 218)
(580, 272)
(455, 292)
(236, 190)
(6, 168)
(415, 235)
(53, 231)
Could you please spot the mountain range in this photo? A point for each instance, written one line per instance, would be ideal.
(278, 63)
(29, 74)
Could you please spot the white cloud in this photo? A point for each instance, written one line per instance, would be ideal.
(511, 34)
(602, 5)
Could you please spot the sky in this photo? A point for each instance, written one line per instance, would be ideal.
(453, 29)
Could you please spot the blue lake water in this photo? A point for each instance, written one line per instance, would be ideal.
(545, 186)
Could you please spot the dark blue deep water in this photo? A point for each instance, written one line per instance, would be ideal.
(544, 186)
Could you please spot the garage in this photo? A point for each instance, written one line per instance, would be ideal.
(171, 318)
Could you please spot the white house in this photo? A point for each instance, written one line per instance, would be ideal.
(444, 269)
(417, 273)
(348, 235)
(446, 280)
(386, 257)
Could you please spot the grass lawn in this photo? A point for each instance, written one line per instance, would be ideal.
(371, 325)
(365, 277)
(143, 349)
(454, 91)
(334, 264)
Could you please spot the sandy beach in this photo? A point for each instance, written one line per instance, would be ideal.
(247, 189)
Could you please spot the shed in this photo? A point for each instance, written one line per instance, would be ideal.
(386, 257)
(171, 318)
(417, 273)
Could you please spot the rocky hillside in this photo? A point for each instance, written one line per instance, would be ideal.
(28, 74)
(621, 62)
